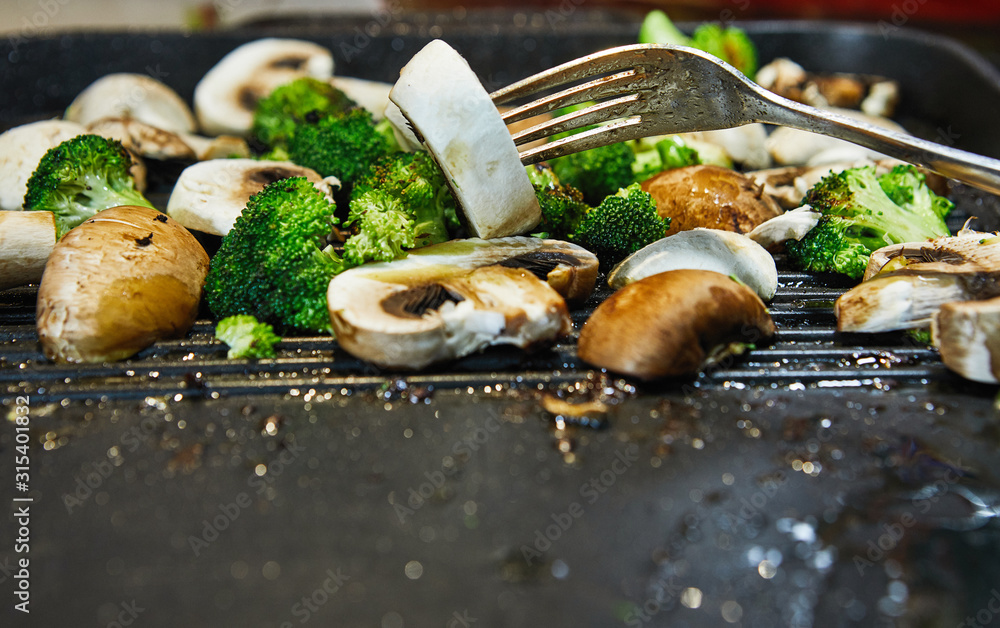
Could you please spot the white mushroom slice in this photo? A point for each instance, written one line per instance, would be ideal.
(449, 109)
(793, 147)
(792, 225)
(225, 98)
(155, 143)
(210, 195)
(372, 95)
(968, 336)
(136, 96)
(405, 136)
(26, 241)
(721, 251)
(452, 299)
(21, 148)
(745, 144)
(918, 279)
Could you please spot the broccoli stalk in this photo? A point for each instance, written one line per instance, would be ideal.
(621, 225)
(247, 337)
(278, 113)
(275, 263)
(862, 213)
(730, 44)
(80, 177)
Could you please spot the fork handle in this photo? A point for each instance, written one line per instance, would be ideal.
(976, 170)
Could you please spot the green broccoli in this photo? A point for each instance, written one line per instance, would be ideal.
(247, 337)
(384, 228)
(858, 217)
(342, 146)
(730, 44)
(563, 207)
(277, 114)
(598, 172)
(659, 153)
(275, 262)
(80, 177)
(621, 225)
(419, 184)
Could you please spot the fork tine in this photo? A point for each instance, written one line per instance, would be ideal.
(623, 106)
(629, 128)
(593, 90)
(604, 62)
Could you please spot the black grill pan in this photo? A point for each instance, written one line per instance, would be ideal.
(825, 479)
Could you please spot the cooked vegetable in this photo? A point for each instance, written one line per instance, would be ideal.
(342, 146)
(563, 207)
(81, 177)
(968, 336)
(450, 111)
(149, 141)
(598, 172)
(278, 113)
(449, 300)
(26, 241)
(622, 224)
(247, 337)
(710, 197)
(730, 44)
(134, 97)
(210, 195)
(860, 216)
(226, 96)
(275, 263)
(721, 251)
(372, 95)
(123, 279)
(21, 148)
(673, 323)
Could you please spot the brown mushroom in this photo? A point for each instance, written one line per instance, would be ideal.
(673, 323)
(710, 196)
(117, 283)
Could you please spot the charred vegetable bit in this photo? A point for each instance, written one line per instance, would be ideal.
(622, 224)
(81, 177)
(342, 146)
(275, 262)
(730, 44)
(862, 213)
(277, 115)
(247, 337)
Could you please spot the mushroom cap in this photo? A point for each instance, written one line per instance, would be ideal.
(710, 196)
(150, 141)
(210, 195)
(672, 324)
(117, 283)
(706, 249)
(225, 98)
(968, 336)
(26, 241)
(452, 113)
(448, 300)
(21, 148)
(134, 96)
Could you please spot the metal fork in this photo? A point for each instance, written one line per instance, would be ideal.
(649, 89)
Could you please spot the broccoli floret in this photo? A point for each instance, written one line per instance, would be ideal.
(247, 337)
(858, 217)
(278, 113)
(598, 172)
(80, 177)
(563, 209)
(730, 44)
(342, 146)
(656, 154)
(275, 262)
(384, 228)
(419, 184)
(621, 225)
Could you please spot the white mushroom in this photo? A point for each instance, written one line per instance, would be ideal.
(724, 252)
(155, 143)
(225, 98)
(134, 96)
(372, 95)
(21, 148)
(448, 108)
(791, 225)
(210, 195)
(968, 336)
(26, 241)
(745, 145)
(452, 299)
(794, 147)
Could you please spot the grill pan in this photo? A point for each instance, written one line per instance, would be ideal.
(824, 479)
